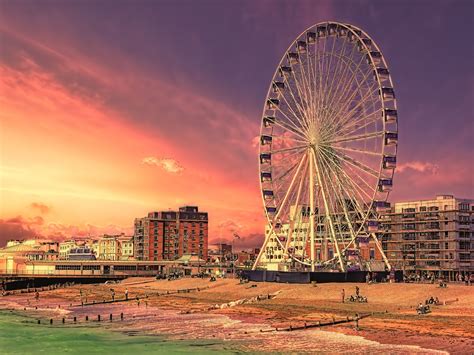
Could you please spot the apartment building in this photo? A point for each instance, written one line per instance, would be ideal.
(428, 236)
(168, 235)
(115, 247)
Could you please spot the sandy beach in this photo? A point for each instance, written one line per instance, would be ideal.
(212, 313)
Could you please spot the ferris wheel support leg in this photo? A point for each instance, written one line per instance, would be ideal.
(379, 247)
(255, 264)
(328, 216)
(283, 203)
(311, 204)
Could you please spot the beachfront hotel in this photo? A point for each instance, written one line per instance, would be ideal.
(434, 235)
(168, 235)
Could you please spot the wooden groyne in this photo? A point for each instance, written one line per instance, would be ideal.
(305, 326)
(139, 298)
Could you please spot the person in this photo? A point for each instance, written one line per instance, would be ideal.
(37, 296)
(367, 278)
(357, 291)
(113, 294)
(126, 293)
(343, 295)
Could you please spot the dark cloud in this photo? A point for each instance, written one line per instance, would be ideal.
(19, 228)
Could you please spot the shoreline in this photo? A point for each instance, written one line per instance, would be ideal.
(169, 316)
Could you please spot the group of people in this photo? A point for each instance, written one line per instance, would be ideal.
(426, 307)
(353, 298)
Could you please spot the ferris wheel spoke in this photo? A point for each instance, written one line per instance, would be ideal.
(285, 198)
(306, 88)
(363, 180)
(301, 117)
(328, 216)
(293, 217)
(329, 66)
(346, 117)
(343, 111)
(339, 71)
(355, 187)
(355, 150)
(287, 138)
(357, 137)
(350, 90)
(283, 150)
(353, 126)
(342, 199)
(300, 122)
(312, 79)
(289, 129)
(333, 197)
(304, 98)
(345, 83)
(354, 162)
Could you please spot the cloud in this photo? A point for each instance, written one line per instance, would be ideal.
(44, 209)
(229, 226)
(418, 166)
(167, 164)
(19, 227)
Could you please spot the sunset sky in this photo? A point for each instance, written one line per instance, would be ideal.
(110, 109)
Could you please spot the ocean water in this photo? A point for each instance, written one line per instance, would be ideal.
(22, 335)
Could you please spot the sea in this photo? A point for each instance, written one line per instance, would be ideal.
(22, 335)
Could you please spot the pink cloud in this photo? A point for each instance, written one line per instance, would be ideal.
(418, 166)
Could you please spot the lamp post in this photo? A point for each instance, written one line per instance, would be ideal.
(234, 237)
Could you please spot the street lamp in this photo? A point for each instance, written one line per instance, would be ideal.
(234, 237)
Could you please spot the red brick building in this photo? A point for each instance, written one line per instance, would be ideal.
(168, 235)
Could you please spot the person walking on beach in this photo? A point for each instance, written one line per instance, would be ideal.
(343, 295)
(37, 296)
(113, 294)
(126, 293)
(357, 291)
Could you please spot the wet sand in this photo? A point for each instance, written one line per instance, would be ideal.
(392, 327)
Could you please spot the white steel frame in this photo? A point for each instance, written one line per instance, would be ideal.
(324, 125)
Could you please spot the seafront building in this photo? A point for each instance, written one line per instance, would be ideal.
(66, 246)
(427, 236)
(115, 247)
(168, 235)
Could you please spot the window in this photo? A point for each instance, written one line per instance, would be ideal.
(372, 253)
(464, 206)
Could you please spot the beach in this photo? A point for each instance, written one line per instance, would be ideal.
(244, 317)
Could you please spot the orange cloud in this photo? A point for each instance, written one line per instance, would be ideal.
(167, 164)
(44, 209)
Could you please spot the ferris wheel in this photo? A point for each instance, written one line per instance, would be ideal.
(328, 144)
